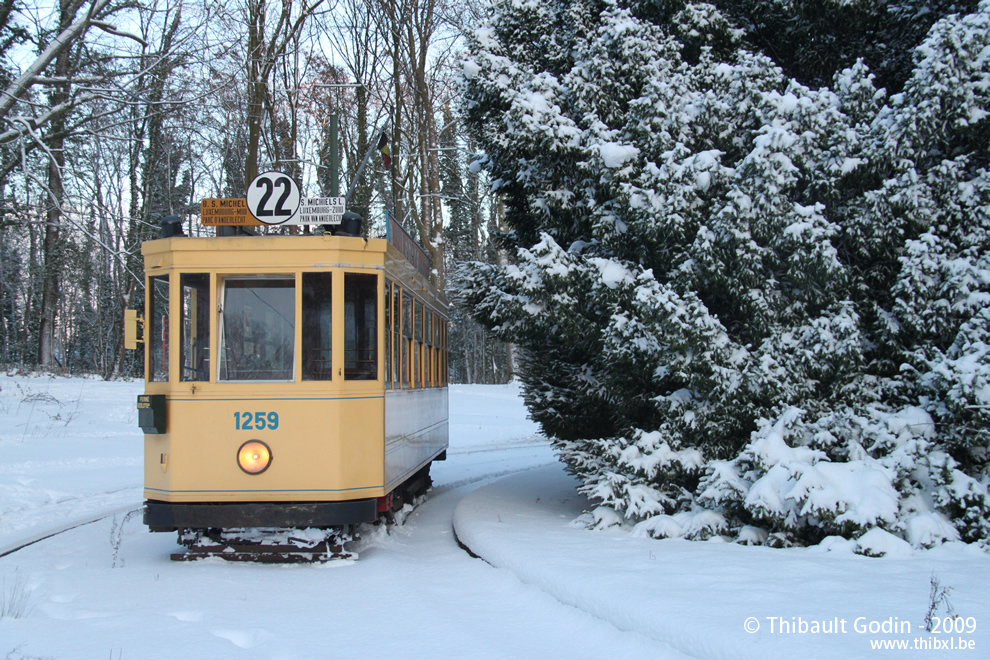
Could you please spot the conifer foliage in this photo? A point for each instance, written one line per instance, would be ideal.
(745, 306)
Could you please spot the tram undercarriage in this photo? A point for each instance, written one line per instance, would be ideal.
(286, 543)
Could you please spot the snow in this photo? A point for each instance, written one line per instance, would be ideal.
(878, 543)
(850, 164)
(613, 273)
(697, 596)
(485, 37)
(616, 155)
(546, 586)
(471, 69)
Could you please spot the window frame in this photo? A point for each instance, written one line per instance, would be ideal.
(369, 342)
(201, 311)
(222, 342)
(158, 330)
(306, 336)
(387, 334)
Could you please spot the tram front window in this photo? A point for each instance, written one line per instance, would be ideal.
(360, 327)
(257, 329)
(158, 307)
(317, 326)
(195, 327)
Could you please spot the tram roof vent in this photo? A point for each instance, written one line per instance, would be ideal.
(350, 225)
(172, 226)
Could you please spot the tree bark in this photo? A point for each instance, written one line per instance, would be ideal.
(264, 51)
(51, 245)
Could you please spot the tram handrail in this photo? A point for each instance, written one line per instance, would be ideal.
(410, 249)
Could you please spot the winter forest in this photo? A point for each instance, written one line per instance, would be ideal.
(116, 114)
(736, 252)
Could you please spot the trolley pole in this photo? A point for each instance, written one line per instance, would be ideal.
(334, 158)
(357, 175)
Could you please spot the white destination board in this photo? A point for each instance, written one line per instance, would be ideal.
(319, 211)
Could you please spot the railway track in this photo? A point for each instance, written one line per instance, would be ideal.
(28, 540)
(300, 552)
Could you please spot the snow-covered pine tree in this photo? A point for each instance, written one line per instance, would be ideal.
(745, 305)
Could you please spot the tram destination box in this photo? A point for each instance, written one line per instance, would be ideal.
(151, 413)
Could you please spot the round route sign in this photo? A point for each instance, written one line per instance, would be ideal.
(273, 198)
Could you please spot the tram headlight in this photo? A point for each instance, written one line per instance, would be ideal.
(254, 457)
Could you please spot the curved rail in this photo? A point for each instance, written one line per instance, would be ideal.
(37, 537)
(96, 516)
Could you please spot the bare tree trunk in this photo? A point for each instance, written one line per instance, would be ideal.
(51, 246)
(265, 48)
(257, 84)
(412, 26)
(400, 162)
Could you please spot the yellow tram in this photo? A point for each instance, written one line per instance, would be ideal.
(291, 381)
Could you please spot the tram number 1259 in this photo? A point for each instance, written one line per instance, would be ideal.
(256, 421)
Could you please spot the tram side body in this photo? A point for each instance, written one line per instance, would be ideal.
(300, 345)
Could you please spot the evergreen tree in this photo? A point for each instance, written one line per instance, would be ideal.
(746, 285)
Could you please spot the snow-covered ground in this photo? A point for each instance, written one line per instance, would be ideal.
(70, 452)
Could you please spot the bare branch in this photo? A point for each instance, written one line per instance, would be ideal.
(112, 29)
(31, 124)
(66, 38)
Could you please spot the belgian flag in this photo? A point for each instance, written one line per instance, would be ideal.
(383, 148)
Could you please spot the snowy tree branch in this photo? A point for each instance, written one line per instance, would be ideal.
(14, 91)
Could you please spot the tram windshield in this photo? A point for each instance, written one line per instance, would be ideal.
(257, 329)
(158, 344)
(195, 327)
(317, 326)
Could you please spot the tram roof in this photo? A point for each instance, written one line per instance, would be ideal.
(266, 253)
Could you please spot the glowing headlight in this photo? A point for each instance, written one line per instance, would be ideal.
(254, 457)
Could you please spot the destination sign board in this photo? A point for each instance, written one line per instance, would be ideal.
(319, 211)
(233, 211)
(273, 199)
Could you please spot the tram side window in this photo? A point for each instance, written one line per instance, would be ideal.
(317, 327)
(437, 348)
(195, 327)
(388, 334)
(395, 329)
(158, 308)
(396, 306)
(428, 349)
(418, 346)
(406, 339)
(257, 329)
(360, 326)
(444, 375)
